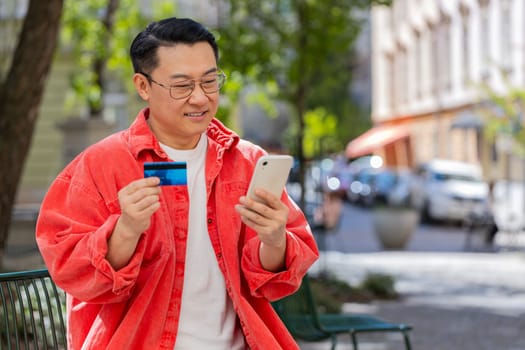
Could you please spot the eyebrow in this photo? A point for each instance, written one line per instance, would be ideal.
(178, 76)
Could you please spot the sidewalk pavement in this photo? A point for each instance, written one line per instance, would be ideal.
(454, 299)
(457, 301)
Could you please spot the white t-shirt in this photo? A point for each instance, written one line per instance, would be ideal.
(207, 318)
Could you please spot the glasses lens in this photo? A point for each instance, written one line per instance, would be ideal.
(209, 84)
(212, 84)
(182, 89)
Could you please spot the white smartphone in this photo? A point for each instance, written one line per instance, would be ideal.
(271, 173)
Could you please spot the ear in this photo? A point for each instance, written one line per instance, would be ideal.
(142, 86)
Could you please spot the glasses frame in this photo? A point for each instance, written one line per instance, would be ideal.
(220, 76)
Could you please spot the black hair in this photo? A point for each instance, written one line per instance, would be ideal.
(167, 32)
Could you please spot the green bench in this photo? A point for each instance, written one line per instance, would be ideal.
(32, 311)
(32, 315)
(300, 314)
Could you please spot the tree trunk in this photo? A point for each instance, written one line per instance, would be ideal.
(20, 97)
(300, 101)
(99, 65)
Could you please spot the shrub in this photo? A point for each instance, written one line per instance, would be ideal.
(380, 286)
(330, 293)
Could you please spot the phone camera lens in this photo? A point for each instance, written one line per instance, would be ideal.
(264, 163)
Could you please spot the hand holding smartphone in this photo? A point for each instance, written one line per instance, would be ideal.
(270, 173)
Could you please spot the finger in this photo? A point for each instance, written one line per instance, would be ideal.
(149, 210)
(144, 192)
(146, 203)
(151, 181)
(138, 213)
(253, 224)
(261, 209)
(136, 190)
(270, 199)
(258, 218)
(250, 214)
(142, 183)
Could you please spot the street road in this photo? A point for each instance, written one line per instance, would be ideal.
(355, 234)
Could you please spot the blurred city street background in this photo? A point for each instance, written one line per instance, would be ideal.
(413, 106)
(458, 292)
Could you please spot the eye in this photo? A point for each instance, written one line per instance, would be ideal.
(183, 85)
(209, 81)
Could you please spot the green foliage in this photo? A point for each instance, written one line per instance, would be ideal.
(303, 47)
(231, 92)
(99, 48)
(505, 115)
(263, 97)
(330, 293)
(379, 285)
(319, 135)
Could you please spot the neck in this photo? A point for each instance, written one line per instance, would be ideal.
(174, 142)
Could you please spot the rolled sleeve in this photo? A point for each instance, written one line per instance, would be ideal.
(124, 278)
(275, 285)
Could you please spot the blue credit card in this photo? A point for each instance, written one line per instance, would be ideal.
(169, 173)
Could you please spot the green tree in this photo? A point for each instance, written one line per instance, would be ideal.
(98, 34)
(505, 115)
(301, 47)
(320, 128)
(21, 91)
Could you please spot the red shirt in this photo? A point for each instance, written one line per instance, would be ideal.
(137, 307)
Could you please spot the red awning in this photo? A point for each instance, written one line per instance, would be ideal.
(375, 138)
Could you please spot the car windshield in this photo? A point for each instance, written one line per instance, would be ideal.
(455, 177)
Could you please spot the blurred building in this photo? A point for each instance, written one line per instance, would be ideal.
(430, 60)
(361, 84)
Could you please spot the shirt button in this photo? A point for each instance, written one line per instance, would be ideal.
(210, 221)
(219, 255)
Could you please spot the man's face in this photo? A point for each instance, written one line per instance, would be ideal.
(179, 123)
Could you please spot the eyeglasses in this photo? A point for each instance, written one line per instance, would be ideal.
(209, 84)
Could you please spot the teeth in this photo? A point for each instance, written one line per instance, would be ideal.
(194, 114)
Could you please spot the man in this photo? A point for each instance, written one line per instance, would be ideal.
(161, 267)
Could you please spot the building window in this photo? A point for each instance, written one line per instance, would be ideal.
(402, 84)
(484, 40)
(436, 63)
(445, 52)
(441, 56)
(391, 78)
(506, 36)
(427, 62)
(465, 44)
(418, 66)
(396, 79)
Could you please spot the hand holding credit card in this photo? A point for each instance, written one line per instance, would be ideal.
(169, 173)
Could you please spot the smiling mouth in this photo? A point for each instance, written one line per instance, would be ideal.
(196, 114)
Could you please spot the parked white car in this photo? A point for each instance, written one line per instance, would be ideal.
(449, 190)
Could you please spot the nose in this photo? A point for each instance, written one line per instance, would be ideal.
(198, 95)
